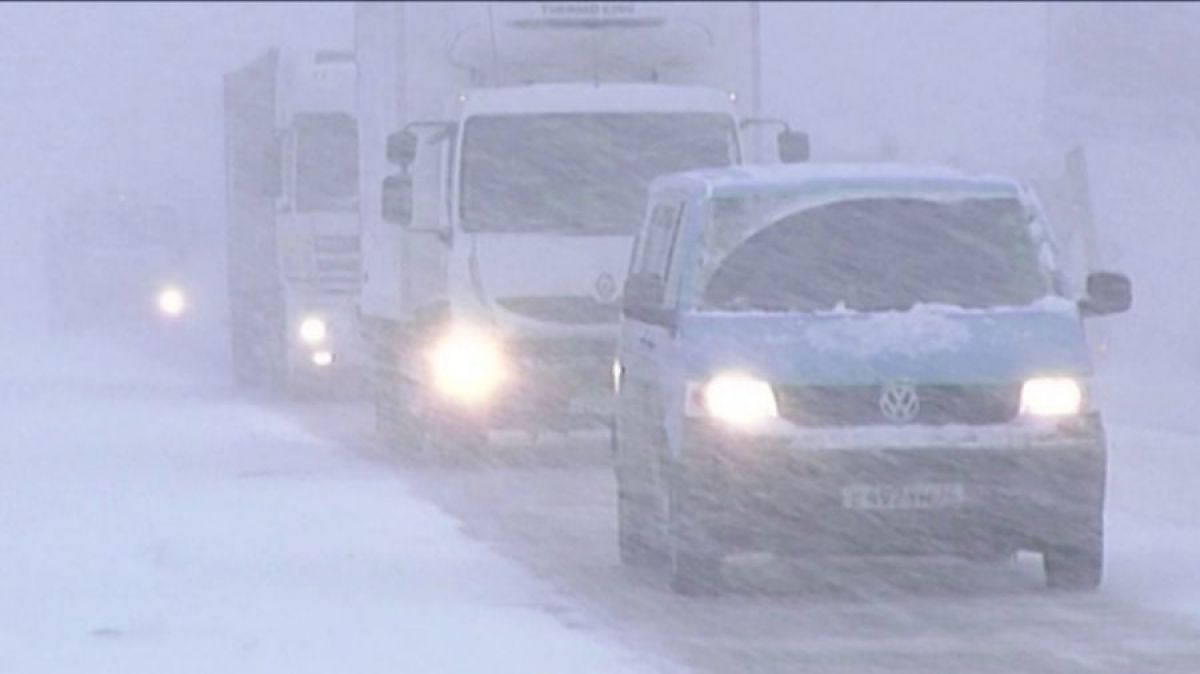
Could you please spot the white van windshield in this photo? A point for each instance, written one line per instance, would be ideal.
(580, 173)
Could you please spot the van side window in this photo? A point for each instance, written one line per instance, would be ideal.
(674, 259)
(654, 251)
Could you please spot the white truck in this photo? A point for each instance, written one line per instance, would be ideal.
(506, 152)
(294, 261)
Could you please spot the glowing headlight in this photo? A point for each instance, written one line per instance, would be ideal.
(1051, 397)
(322, 358)
(313, 331)
(738, 399)
(171, 301)
(467, 366)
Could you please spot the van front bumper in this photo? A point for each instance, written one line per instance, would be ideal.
(804, 494)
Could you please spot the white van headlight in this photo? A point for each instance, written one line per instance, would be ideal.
(468, 365)
(313, 331)
(171, 301)
(736, 398)
(1051, 397)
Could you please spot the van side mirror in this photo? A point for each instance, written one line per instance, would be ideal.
(1107, 293)
(402, 147)
(397, 199)
(793, 147)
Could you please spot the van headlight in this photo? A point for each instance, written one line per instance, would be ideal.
(1051, 397)
(468, 365)
(171, 301)
(738, 399)
(313, 330)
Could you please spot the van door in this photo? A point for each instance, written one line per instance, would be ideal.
(647, 332)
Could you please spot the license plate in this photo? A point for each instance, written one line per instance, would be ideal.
(902, 497)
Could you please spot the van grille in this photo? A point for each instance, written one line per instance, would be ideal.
(860, 405)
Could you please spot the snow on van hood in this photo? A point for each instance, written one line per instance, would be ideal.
(922, 330)
(929, 343)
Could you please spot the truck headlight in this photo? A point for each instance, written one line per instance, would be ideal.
(468, 365)
(1051, 397)
(171, 301)
(313, 331)
(738, 399)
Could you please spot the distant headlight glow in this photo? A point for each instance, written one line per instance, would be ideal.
(171, 301)
(313, 331)
(1051, 397)
(468, 365)
(322, 358)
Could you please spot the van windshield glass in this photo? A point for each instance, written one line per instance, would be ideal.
(580, 173)
(879, 255)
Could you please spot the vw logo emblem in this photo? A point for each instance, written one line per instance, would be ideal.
(899, 402)
(606, 287)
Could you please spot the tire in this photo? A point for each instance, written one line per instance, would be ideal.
(395, 423)
(634, 540)
(1074, 568)
(639, 526)
(449, 437)
(694, 563)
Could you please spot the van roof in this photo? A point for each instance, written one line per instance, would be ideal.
(880, 177)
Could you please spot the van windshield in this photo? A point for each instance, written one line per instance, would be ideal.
(878, 254)
(580, 173)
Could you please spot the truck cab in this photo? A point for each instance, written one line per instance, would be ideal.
(295, 261)
(496, 252)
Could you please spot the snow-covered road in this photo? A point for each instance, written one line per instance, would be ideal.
(153, 522)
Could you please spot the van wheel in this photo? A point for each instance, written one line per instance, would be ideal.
(694, 563)
(634, 520)
(1076, 567)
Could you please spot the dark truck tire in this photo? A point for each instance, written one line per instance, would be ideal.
(446, 436)
(1078, 567)
(394, 421)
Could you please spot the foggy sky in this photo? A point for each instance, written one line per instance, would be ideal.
(128, 95)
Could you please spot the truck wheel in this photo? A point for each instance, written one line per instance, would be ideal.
(394, 420)
(694, 563)
(450, 437)
(390, 418)
(1075, 567)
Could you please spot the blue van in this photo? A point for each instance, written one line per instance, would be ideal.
(843, 360)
